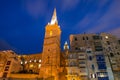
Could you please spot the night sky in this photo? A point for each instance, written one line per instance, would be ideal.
(22, 22)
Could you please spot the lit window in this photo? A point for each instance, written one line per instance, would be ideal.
(50, 33)
(93, 75)
(39, 65)
(31, 65)
(102, 74)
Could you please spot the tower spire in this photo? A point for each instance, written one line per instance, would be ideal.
(54, 17)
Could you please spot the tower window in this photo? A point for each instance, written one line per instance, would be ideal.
(86, 38)
(8, 63)
(83, 38)
(75, 38)
(6, 68)
(51, 33)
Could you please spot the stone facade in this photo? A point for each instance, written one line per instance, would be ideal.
(90, 57)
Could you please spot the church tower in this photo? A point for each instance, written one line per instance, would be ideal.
(51, 49)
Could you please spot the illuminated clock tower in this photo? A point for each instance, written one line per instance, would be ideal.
(51, 49)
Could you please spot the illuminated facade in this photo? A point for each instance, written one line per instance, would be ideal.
(90, 57)
(102, 52)
(51, 50)
(8, 62)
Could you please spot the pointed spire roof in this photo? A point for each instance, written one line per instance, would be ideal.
(66, 46)
(66, 43)
(54, 17)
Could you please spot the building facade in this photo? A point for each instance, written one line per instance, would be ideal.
(90, 57)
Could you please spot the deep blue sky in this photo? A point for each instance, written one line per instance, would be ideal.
(22, 22)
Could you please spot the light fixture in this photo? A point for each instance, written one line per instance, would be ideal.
(21, 62)
(25, 62)
(34, 60)
(106, 37)
(40, 60)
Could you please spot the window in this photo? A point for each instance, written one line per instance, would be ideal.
(72, 63)
(100, 58)
(83, 38)
(31, 66)
(98, 48)
(82, 62)
(118, 53)
(119, 41)
(75, 38)
(51, 33)
(89, 51)
(76, 48)
(6, 68)
(8, 62)
(93, 67)
(108, 43)
(101, 65)
(90, 57)
(93, 75)
(102, 76)
(86, 38)
(96, 37)
(109, 48)
(5, 74)
(116, 47)
(111, 55)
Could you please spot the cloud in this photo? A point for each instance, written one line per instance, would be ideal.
(69, 4)
(109, 20)
(105, 18)
(35, 8)
(4, 45)
(91, 18)
(116, 32)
